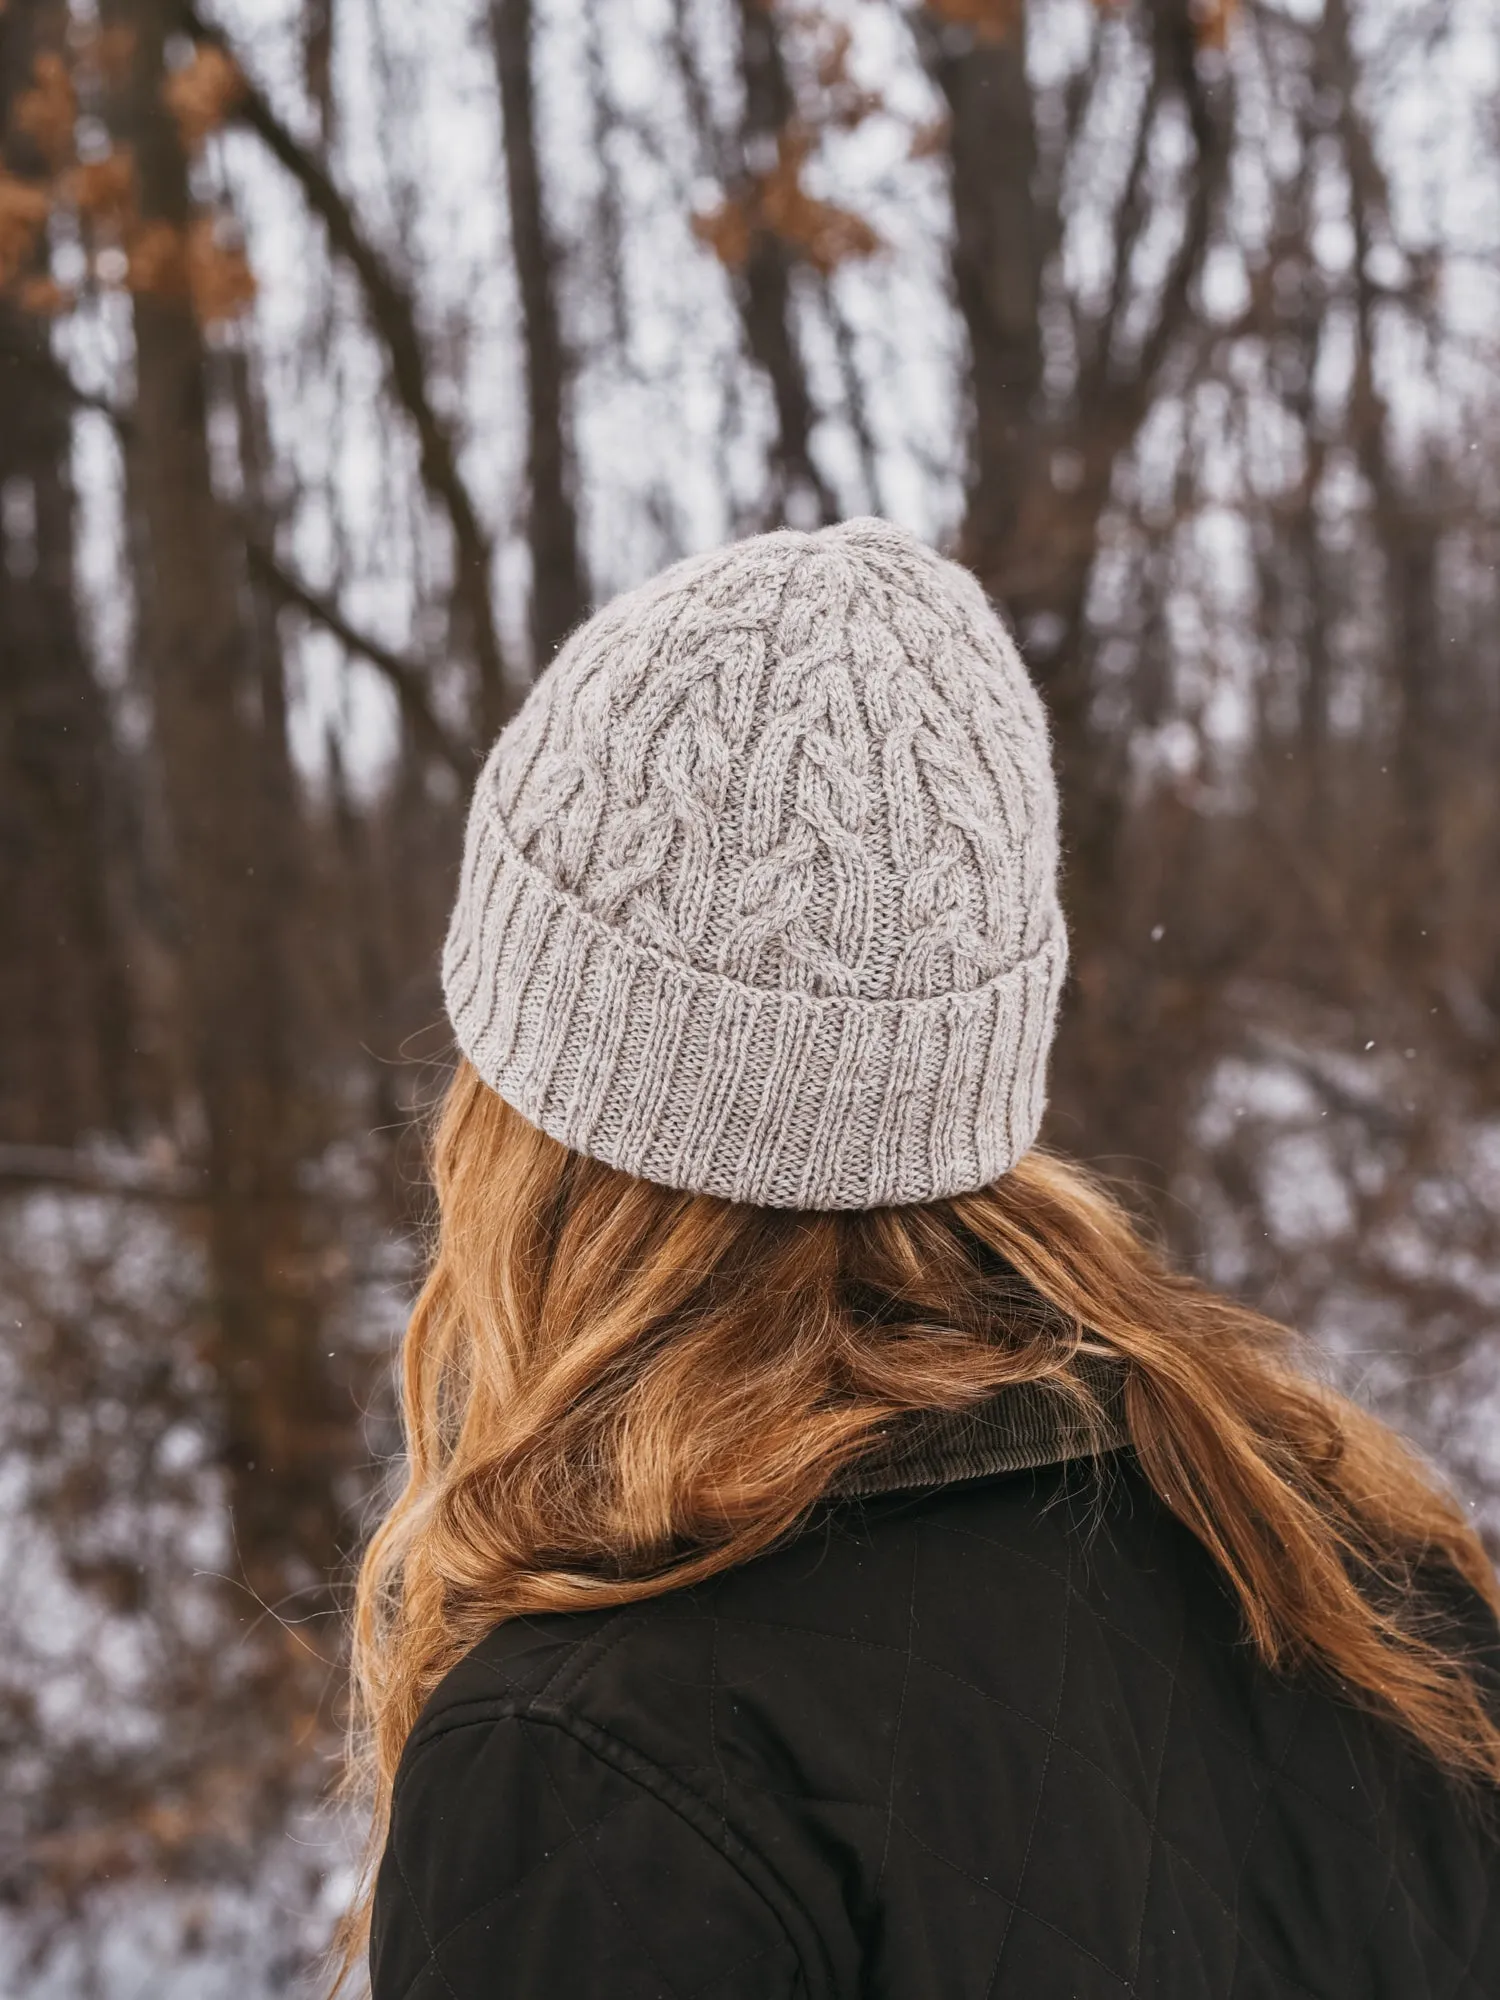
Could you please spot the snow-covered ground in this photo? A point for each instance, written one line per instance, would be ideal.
(139, 1853)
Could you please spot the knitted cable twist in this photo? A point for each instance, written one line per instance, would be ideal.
(759, 893)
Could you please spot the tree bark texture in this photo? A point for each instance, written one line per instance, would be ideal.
(220, 766)
(800, 493)
(65, 1060)
(1032, 535)
(559, 597)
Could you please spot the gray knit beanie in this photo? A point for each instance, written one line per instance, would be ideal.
(759, 892)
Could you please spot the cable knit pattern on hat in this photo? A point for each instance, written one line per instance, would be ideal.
(759, 893)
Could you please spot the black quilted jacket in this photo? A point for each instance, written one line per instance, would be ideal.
(1000, 1741)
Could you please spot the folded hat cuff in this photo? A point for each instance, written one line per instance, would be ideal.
(697, 1081)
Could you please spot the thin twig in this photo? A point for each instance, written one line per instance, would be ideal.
(407, 678)
(59, 1167)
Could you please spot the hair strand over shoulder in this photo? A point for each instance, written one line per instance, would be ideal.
(612, 1389)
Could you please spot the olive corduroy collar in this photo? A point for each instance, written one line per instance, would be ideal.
(1023, 1425)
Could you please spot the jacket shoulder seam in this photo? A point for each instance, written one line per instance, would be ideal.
(710, 1825)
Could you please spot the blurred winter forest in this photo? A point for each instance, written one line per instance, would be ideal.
(350, 351)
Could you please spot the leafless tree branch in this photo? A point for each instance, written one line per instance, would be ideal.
(407, 678)
(393, 316)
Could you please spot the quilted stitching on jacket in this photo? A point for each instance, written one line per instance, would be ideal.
(998, 1742)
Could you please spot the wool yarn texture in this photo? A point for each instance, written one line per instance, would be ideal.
(759, 890)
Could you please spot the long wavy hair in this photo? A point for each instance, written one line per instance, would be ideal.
(611, 1389)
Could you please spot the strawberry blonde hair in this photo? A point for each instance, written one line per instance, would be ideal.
(611, 1389)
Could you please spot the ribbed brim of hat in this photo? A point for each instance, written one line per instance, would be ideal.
(778, 1098)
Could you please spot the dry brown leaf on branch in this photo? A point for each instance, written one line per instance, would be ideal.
(1212, 20)
(45, 297)
(849, 102)
(727, 231)
(103, 190)
(24, 209)
(825, 234)
(47, 112)
(776, 204)
(201, 95)
(156, 261)
(988, 20)
(195, 264)
(113, 49)
(220, 280)
(930, 141)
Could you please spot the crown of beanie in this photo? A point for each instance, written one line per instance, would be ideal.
(759, 891)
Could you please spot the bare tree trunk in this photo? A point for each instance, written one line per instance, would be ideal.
(65, 1064)
(765, 285)
(282, 832)
(215, 743)
(559, 598)
(998, 239)
(1428, 745)
(1032, 536)
(1030, 543)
